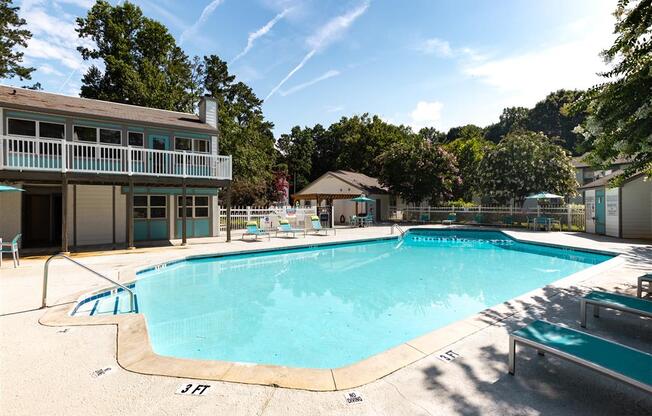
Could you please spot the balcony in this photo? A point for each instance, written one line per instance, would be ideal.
(51, 155)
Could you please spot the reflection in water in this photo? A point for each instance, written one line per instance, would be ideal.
(329, 307)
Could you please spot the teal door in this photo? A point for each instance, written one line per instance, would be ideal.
(600, 223)
(158, 162)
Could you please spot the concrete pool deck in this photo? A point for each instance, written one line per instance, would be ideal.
(56, 362)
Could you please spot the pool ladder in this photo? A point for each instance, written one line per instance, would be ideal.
(63, 256)
(398, 227)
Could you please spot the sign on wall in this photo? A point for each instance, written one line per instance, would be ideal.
(612, 199)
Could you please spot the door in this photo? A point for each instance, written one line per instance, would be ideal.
(41, 218)
(159, 162)
(378, 210)
(600, 223)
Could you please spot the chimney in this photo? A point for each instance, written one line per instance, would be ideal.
(208, 110)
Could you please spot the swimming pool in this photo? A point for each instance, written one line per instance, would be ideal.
(331, 306)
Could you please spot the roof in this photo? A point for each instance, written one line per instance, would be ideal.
(85, 107)
(604, 181)
(361, 182)
(578, 161)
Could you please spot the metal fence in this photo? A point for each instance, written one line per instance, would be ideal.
(263, 215)
(571, 217)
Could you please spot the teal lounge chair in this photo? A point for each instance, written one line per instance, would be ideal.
(252, 229)
(615, 301)
(317, 228)
(609, 358)
(11, 248)
(285, 228)
(452, 217)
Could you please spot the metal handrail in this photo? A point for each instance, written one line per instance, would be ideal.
(60, 255)
(402, 231)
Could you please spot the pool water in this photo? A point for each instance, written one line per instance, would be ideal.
(328, 307)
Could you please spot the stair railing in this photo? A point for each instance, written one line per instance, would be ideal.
(63, 256)
(398, 227)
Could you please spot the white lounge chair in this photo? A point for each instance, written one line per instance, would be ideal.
(285, 228)
(317, 228)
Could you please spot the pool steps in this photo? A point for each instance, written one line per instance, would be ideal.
(111, 302)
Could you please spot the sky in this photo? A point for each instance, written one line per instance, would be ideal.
(435, 63)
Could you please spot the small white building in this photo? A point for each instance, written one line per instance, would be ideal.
(623, 212)
(336, 188)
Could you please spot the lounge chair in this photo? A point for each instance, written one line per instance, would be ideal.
(452, 217)
(615, 301)
(317, 228)
(508, 221)
(423, 217)
(644, 284)
(252, 229)
(11, 248)
(285, 228)
(609, 358)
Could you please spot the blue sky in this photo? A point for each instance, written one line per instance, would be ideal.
(418, 62)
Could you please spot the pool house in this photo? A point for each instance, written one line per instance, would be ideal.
(96, 173)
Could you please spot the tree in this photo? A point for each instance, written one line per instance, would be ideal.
(327, 148)
(142, 63)
(11, 35)
(363, 139)
(549, 116)
(244, 132)
(465, 132)
(619, 123)
(432, 135)
(417, 170)
(297, 149)
(523, 163)
(468, 154)
(512, 118)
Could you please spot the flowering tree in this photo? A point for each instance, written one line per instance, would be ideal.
(469, 153)
(418, 170)
(524, 163)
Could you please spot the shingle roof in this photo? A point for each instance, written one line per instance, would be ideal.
(604, 181)
(360, 180)
(579, 162)
(84, 107)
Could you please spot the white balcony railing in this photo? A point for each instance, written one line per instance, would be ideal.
(51, 155)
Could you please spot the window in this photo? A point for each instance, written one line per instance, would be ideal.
(51, 130)
(150, 206)
(21, 127)
(200, 146)
(85, 134)
(181, 143)
(110, 136)
(196, 207)
(187, 145)
(136, 139)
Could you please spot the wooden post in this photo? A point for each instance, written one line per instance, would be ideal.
(130, 215)
(64, 214)
(184, 215)
(228, 213)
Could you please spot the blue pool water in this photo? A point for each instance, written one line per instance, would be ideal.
(327, 307)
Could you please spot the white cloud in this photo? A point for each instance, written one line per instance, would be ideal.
(327, 34)
(326, 75)
(334, 108)
(205, 14)
(525, 78)
(253, 36)
(48, 70)
(435, 46)
(425, 114)
(86, 4)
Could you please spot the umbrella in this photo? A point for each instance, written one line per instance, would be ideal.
(543, 195)
(362, 198)
(6, 188)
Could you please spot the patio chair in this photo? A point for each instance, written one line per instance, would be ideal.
(606, 357)
(630, 304)
(285, 228)
(252, 229)
(317, 228)
(368, 219)
(539, 222)
(452, 217)
(11, 248)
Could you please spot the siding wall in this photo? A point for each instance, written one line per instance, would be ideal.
(637, 209)
(10, 214)
(94, 215)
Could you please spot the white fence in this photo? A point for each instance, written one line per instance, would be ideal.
(571, 217)
(265, 216)
(28, 153)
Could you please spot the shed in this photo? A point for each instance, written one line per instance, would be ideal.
(336, 188)
(623, 212)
